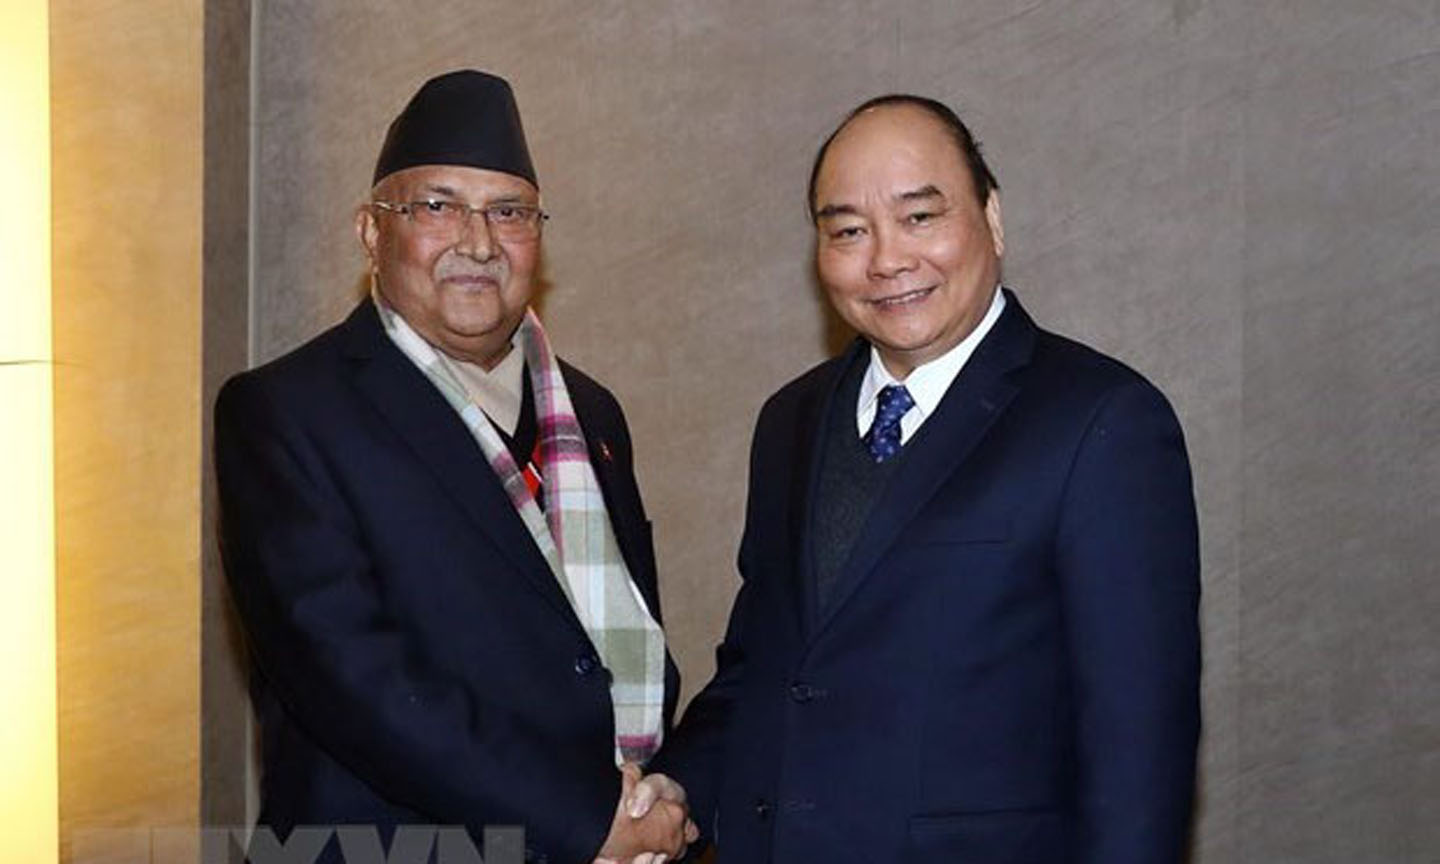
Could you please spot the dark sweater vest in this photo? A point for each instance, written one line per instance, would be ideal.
(522, 444)
(850, 483)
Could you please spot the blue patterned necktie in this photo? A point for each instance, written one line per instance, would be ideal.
(883, 439)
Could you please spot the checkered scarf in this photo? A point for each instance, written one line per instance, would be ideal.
(586, 560)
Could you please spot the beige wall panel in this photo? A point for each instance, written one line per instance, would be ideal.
(126, 96)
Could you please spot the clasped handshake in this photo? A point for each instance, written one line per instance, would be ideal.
(652, 821)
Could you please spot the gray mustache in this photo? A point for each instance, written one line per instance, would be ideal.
(496, 272)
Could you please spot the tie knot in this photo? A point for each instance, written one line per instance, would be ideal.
(892, 403)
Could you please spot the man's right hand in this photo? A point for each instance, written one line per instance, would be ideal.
(661, 828)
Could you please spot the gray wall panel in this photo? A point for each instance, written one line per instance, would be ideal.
(225, 730)
(1236, 198)
(1340, 669)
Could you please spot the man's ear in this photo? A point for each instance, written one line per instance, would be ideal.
(997, 225)
(367, 231)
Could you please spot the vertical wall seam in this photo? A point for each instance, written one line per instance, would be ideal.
(252, 780)
(253, 145)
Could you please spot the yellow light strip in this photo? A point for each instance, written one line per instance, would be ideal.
(29, 829)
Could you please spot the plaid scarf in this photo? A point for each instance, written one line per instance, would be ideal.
(573, 533)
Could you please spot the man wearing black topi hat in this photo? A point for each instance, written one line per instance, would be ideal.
(433, 534)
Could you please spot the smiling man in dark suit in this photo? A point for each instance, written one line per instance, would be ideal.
(433, 534)
(967, 630)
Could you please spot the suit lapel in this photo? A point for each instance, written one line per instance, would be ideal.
(809, 449)
(438, 439)
(976, 398)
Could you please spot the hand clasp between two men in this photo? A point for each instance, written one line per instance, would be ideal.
(652, 821)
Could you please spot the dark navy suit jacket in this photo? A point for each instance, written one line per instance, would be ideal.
(416, 662)
(1008, 669)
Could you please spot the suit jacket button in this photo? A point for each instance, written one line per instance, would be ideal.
(586, 664)
(762, 809)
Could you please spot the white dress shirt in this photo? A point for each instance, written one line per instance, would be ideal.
(927, 382)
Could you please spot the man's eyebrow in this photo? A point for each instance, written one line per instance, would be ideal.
(443, 191)
(924, 193)
(927, 192)
(830, 211)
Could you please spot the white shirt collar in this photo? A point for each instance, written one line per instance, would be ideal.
(927, 382)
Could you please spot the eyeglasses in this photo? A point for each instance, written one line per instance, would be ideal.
(507, 221)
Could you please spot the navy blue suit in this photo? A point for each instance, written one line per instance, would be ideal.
(416, 662)
(1008, 667)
